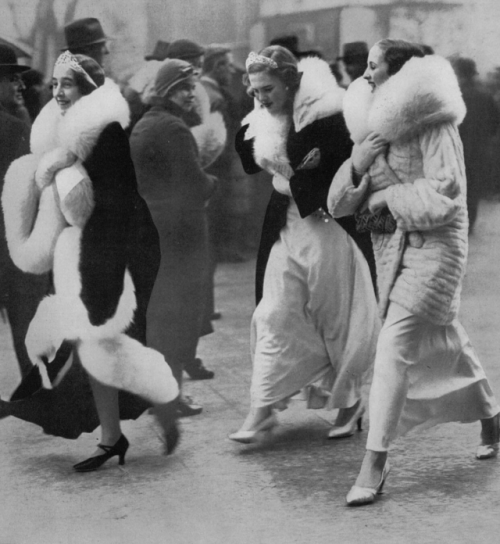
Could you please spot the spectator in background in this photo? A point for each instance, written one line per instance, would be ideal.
(291, 43)
(36, 93)
(20, 293)
(176, 189)
(354, 57)
(226, 212)
(86, 37)
(12, 85)
(141, 84)
(478, 128)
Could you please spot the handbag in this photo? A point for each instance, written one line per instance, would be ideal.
(381, 222)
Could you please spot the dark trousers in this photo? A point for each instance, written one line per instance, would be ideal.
(23, 293)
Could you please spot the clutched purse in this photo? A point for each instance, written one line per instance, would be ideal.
(382, 222)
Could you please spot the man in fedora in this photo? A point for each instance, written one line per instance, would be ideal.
(354, 57)
(159, 52)
(86, 37)
(12, 84)
(20, 293)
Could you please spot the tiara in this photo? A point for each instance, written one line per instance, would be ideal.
(69, 60)
(254, 58)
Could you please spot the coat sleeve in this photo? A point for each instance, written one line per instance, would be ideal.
(432, 200)
(103, 252)
(345, 196)
(244, 149)
(310, 186)
(184, 157)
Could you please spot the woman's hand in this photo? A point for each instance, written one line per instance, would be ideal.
(50, 163)
(364, 154)
(376, 201)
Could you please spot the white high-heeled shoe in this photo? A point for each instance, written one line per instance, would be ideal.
(359, 496)
(348, 429)
(248, 437)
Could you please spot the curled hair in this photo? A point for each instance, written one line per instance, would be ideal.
(398, 52)
(93, 69)
(286, 72)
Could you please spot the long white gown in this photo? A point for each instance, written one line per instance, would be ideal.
(318, 316)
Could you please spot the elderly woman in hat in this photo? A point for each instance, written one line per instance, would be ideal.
(72, 206)
(176, 189)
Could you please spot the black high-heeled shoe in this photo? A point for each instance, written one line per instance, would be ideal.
(93, 463)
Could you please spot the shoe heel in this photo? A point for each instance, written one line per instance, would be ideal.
(121, 460)
(360, 424)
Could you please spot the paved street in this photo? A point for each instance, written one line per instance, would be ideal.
(289, 489)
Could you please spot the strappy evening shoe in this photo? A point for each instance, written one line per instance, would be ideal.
(487, 451)
(348, 429)
(264, 427)
(359, 496)
(93, 463)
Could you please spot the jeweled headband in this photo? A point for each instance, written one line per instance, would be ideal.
(67, 59)
(254, 58)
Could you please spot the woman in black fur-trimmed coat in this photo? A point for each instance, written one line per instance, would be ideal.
(316, 315)
(72, 207)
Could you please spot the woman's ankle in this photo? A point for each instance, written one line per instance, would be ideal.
(371, 468)
(255, 417)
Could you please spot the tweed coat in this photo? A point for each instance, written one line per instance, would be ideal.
(418, 110)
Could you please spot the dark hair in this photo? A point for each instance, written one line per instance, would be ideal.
(398, 52)
(93, 69)
(287, 68)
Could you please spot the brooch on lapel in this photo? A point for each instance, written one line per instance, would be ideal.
(311, 160)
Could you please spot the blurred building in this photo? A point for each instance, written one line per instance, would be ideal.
(466, 27)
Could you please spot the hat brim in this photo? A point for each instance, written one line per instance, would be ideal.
(87, 44)
(13, 68)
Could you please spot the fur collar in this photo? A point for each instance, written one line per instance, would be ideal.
(318, 96)
(79, 129)
(424, 92)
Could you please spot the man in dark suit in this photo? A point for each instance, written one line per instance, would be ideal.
(20, 293)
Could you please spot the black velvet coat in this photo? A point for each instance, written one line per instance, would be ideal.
(309, 187)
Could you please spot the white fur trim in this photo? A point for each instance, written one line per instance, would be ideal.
(319, 94)
(33, 220)
(79, 129)
(423, 93)
(71, 311)
(210, 138)
(124, 363)
(44, 336)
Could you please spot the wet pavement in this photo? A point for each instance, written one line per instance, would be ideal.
(289, 488)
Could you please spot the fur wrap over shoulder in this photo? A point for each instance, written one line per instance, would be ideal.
(78, 233)
(417, 110)
(318, 96)
(36, 210)
(423, 93)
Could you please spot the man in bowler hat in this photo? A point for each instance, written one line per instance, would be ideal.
(86, 37)
(20, 293)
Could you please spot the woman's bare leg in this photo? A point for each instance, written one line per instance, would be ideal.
(106, 401)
